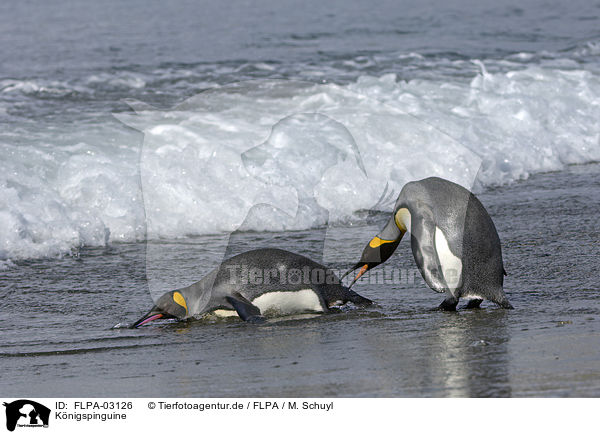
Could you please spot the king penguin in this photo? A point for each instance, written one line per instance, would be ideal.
(453, 239)
(254, 283)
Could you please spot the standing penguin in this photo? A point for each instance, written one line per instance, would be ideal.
(453, 239)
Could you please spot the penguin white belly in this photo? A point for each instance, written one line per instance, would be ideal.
(288, 302)
(451, 264)
(225, 313)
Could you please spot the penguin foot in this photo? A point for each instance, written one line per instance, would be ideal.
(473, 303)
(358, 300)
(256, 319)
(448, 304)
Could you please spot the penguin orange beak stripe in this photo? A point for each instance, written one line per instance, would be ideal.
(362, 271)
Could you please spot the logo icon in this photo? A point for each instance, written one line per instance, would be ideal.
(26, 413)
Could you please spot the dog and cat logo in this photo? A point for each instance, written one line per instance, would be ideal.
(26, 413)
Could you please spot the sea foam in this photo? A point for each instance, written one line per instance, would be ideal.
(283, 155)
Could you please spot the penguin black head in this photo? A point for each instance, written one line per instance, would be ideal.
(376, 252)
(170, 305)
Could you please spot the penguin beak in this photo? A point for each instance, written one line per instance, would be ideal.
(153, 314)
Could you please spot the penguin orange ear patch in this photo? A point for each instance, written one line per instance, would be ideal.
(178, 298)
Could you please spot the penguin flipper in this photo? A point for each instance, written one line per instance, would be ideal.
(424, 251)
(245, 309)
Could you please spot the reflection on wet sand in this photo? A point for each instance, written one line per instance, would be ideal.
(469, 354)
(439, 354)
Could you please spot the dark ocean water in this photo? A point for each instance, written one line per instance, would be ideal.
(503, 96)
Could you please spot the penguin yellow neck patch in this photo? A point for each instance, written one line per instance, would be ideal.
(178, 298)
(403, 219)
(376, 242)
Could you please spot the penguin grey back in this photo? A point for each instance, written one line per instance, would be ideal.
(261, 271)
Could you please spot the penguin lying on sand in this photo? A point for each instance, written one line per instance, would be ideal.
(255, 282)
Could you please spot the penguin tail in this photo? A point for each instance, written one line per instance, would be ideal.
(503, 303)
(357, 299)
